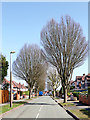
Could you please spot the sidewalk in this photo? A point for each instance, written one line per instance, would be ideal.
(77, 105)
(4, 104)
(12, 101)
(77, 110)
(20, 100)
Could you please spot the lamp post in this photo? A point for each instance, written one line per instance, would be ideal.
(12, 52)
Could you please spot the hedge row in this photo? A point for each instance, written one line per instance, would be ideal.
(76, 94)
(26, 92)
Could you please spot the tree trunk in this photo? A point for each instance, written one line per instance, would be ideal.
(53, 92)
(32, 92)
(65, 94)
(37, 92)
(29, 93)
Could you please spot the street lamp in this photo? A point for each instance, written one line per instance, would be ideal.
(12, 52)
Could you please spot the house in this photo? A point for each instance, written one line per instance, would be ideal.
(87, 77)
(82, 82)
(15, 86)
(21, 87)
(72, 84)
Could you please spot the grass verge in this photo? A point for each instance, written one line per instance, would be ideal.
(82, 114)
(6, 108)
(67, 104)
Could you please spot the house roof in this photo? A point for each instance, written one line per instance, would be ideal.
(15, 84)
(88, 75)
(82, 78)
(71, 81)
(6, 81)
(78, 77)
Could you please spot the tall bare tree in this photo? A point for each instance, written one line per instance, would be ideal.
(29, 65)
(40, 82)
(54, 81)
(65, 47)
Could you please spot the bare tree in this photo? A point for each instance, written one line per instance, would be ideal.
(40, 82)
(54, 81)
(65, 47)
(29, 65)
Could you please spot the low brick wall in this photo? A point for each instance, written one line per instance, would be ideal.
(84, 99)
(89, 99)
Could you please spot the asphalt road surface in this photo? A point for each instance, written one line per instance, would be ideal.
(41, 107)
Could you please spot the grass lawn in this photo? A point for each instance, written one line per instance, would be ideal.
(28, 99)
(67, 104)
(83, 114)
(57, 98)
(6, 108)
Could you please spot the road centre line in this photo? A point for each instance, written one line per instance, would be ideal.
(37, 115)
(40, 108)
(39, 111)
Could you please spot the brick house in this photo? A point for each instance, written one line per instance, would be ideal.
(82, 82)
(15, 86)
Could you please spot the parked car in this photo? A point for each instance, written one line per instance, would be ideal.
(40, 93)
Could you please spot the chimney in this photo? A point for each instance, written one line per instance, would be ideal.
(83, 77)
(83, 74)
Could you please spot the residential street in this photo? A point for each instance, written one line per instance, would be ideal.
(42, 107)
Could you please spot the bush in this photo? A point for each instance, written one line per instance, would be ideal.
(26, 93)
(72, 87)
(76, 94)
(21, 93)
(68, 94)
(89, 90)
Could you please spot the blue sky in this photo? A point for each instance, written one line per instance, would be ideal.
(22, 23)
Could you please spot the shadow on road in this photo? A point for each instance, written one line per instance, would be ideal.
(39, 104)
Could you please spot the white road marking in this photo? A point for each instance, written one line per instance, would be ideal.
(40, 108)
(37, 115)
(39, 111)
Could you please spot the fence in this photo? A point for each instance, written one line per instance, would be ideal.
(4, 96)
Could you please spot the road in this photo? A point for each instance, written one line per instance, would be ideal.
(41, 107)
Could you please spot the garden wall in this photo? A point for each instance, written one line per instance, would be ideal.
(84, 99)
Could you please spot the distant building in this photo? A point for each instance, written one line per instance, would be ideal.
(82, 82)
(15, 86)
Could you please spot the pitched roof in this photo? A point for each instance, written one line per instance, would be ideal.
(71, 81)
(15, 84)
(6, 81)
(78, 77)
(88, 75)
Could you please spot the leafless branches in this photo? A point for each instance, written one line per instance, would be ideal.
(64, 46)
(54, 80)
(29, 65)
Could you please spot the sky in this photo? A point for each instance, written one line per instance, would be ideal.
(22, 23)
